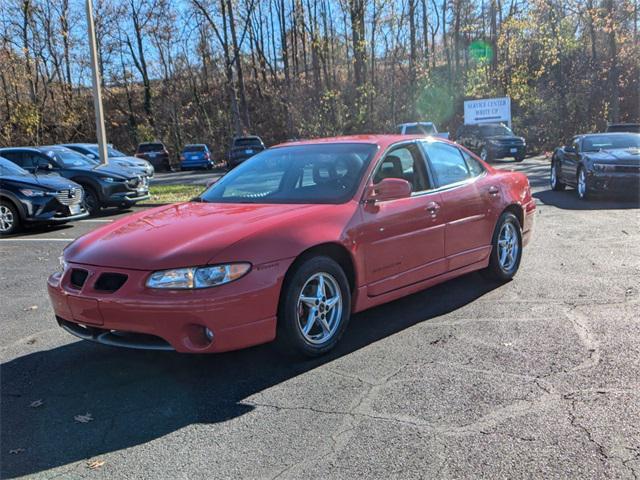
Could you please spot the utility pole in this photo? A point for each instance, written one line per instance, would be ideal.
(97, 93)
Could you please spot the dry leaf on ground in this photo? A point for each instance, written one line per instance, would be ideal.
(95, 464)
(36, 403)
(86, 418)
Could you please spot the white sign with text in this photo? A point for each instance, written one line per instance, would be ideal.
(487, 110)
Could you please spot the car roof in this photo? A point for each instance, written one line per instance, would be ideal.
(28, 149)
(599, 134)
(382, 140)
(195, 145)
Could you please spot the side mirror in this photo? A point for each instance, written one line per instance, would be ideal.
(570, 149)
(388, 189)
(42, 165)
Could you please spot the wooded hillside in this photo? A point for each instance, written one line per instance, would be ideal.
(201, 70)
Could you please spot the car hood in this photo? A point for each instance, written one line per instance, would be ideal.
(621, 156)
(47, 182)
(138, 162)
(110, 169)
(181, 235)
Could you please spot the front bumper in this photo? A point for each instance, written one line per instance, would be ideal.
(505, 151)
(612, 182)
(240, 314)
(49, 210)
(127, 198)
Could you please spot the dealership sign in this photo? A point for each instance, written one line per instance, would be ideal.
(487, 110)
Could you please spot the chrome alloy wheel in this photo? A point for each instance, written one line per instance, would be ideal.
(6, 219)
(508, 247)
(582, 183)
(319, 308)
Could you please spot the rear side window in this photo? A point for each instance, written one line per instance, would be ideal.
(247, 142)
(447, 163)
(194, 148)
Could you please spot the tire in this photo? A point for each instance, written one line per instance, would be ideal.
(554, 177)
(582, 185)
(9, 219)
(485, 155)
(91, 201)
(505, 269)
(328, 322)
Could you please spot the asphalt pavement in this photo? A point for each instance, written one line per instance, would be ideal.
(536, 378)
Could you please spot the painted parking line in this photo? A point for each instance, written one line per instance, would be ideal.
(97, 220)
(38, 239)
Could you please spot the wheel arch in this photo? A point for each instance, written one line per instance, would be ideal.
(16, 204)
(334, 250)
(517, 210)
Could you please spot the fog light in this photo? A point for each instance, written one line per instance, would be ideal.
(209, 334)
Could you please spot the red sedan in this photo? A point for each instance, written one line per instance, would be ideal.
(291, 243)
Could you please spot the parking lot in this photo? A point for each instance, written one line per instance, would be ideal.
(537, 378)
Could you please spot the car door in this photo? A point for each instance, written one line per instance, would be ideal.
(571, 161)
(403, 239)
(470, 203)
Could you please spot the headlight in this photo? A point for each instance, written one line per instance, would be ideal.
(603, 167)
(32, 192)
(198, 277)
(63, 264)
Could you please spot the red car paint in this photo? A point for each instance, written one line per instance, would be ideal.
(397, 247)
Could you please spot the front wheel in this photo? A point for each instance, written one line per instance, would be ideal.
(554, 177)
(9, 219)
(584, 191)
(315, 307)
(507, 249)
(91, 201)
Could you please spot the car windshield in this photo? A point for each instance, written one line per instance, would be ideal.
(68, 158)
(8, 168)
(595, 143)
(247, 142)
(494, 130)
(111, 152)
(322, 173)
(150, 147)
(193, 148)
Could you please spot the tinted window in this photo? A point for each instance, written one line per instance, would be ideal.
(150, 147)
(194, 148)
(111, 152)
(595, 143)
(405, 163)
(247, 142)
(9, 168)
(475, 167)
(420, 130)
(15, 157)
(492, 130)
(447, 163)
(323, 173)
(68, 158)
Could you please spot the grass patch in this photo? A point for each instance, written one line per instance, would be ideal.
(174, 193)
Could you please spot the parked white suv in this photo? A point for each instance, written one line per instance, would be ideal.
(420, 128)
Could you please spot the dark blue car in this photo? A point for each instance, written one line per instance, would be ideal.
(28, 199)
(196, 156)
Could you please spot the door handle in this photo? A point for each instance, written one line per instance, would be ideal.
(493, 190)
(433, 207)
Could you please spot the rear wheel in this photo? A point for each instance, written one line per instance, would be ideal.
(554, 177)
(507, 249)
(9, 218)
(519, 158)
(315, 307)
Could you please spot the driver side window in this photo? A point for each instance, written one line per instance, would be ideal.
(406, 163)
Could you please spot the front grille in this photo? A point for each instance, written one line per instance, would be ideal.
(78, 277)
(627, 168)
(138, 182)
(71, 196)
(110, 282)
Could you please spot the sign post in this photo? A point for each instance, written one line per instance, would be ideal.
(97, 93)
(488, 110)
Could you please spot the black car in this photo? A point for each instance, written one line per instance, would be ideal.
(623, 127)
(156, 154)
(104, 185)
(492, 141)
(115, 157)
(598, 162)
(28, 199)
(243, 148)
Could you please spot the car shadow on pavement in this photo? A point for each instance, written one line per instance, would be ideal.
(133, 397)
(568, 200)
